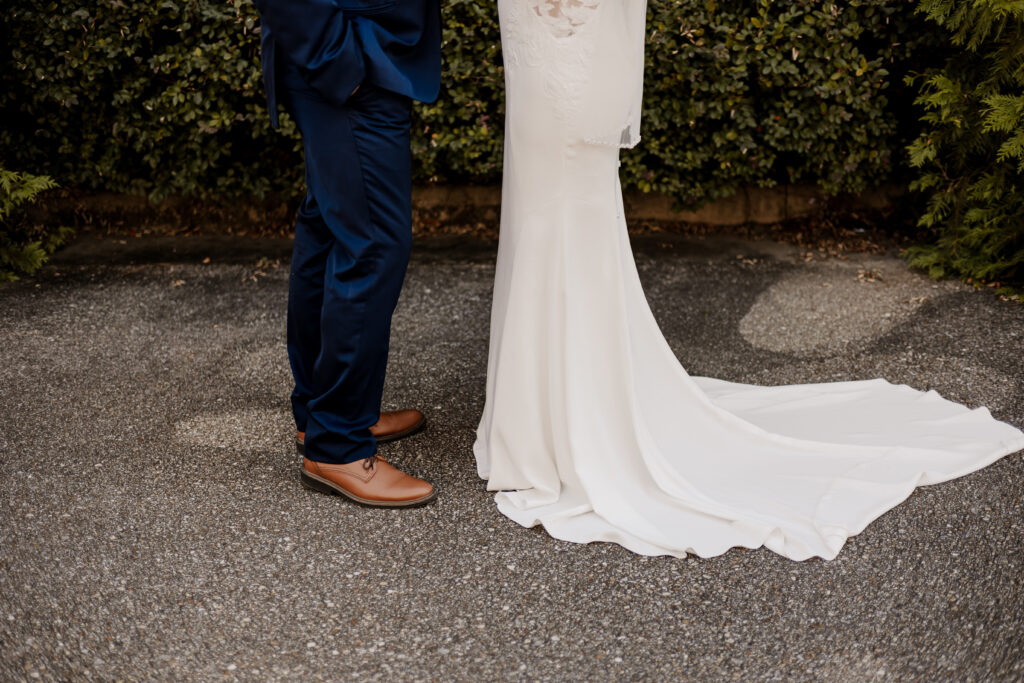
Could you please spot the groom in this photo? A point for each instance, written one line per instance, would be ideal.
(347, 70)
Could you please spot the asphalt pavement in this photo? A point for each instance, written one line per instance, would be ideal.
(152, 525)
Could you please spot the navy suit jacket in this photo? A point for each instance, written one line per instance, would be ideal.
(338, 44)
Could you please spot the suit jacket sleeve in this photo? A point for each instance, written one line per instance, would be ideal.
(319, 37)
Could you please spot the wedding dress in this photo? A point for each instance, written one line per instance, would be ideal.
(591, 426)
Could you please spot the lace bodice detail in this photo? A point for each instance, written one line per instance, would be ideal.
(545, 32)
(588, 55)
(564, 17)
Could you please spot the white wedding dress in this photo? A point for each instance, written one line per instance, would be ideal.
(591, 427)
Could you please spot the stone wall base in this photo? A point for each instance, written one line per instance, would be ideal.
(437, 209)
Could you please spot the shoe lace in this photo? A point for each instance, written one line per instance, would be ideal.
(368, 463)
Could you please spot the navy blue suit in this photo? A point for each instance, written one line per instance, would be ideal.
(347, 70)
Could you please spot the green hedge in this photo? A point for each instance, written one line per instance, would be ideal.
(164, 97)
(774, 92)
(149, 97)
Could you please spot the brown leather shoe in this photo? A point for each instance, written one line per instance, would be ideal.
(397, 424)
(391, 425)
(370, 481)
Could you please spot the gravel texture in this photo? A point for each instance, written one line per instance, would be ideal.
(845, 304)
(152, 525)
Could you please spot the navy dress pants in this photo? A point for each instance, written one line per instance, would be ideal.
(352, 238)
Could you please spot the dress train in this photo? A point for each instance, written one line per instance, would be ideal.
(592, 427)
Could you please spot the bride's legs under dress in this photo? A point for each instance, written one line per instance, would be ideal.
(594, 429)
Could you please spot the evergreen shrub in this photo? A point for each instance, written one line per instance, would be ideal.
(24, 245)
(971, 152)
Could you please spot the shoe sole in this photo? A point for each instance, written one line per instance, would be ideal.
(301, 448)
(318, 483)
